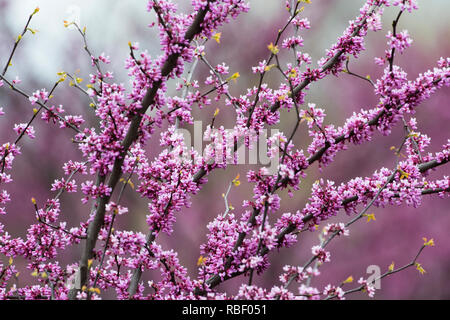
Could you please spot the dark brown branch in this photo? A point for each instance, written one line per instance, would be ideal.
(327, 66)
(387, 273)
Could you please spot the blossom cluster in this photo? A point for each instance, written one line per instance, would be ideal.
(238, 242)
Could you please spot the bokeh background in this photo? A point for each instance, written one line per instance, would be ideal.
(397, 232)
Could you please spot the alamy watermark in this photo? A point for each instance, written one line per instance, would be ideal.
(223, 146)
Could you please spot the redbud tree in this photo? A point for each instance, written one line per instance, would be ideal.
(242, 241)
